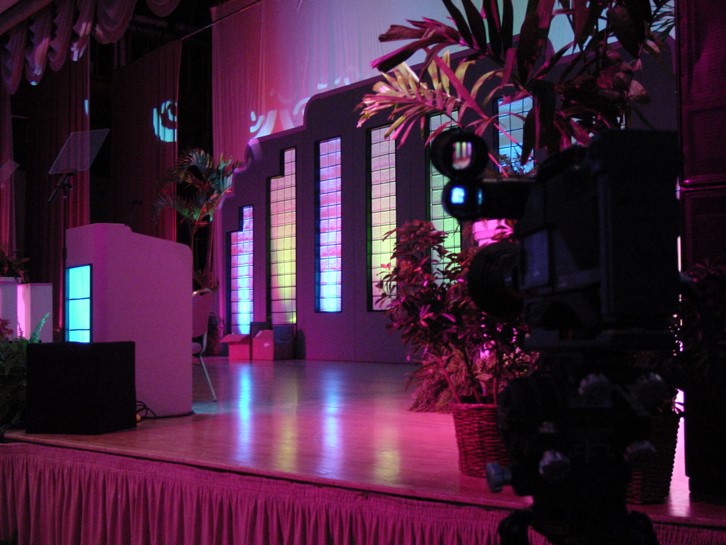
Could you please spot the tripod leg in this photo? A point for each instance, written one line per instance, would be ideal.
(513, 529)
(640, 529)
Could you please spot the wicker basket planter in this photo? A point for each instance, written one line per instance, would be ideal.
(478, 438)
(652, 483)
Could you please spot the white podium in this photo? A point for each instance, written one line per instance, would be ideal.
(141, 291)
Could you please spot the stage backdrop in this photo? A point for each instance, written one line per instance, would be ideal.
(270, 56)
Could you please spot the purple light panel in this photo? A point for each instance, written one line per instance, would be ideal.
(242, 273)
(329, 297)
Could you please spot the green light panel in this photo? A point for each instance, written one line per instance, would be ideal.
(437, 215)
(329, 278)
(511, 118)
(241, 273)
(283, 243)
(78, 304)
(383, 208)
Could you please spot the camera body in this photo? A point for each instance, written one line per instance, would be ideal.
(593, 269)
(595, 260)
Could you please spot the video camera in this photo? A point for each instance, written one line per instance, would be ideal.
(592, 268)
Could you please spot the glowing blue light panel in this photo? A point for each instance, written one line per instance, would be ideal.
(511, 119)
(78, 304)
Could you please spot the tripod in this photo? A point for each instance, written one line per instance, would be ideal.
(574, 429)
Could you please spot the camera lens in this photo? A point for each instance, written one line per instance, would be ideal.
(459, 155)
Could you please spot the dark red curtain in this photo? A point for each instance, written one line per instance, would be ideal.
(7, 198)
(53, 109)
(144, 147)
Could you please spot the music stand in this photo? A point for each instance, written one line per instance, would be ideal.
(76, 155)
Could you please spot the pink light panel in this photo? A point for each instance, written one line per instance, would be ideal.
(242, 273)
(329, 227)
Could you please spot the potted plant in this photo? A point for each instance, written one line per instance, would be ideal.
(13, 372)
(195, 188)
(13, 267)
(696, 366)
(586, 86)
(466, 356)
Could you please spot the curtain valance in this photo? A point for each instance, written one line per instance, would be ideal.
(63, 29)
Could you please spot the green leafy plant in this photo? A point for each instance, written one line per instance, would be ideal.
(194, 188)
(588, 85)
(13, 371)
(699, 329)
(466, 355)
(12, 541)
(13, 266)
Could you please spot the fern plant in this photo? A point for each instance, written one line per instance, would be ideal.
(194, 188)
(13, 371)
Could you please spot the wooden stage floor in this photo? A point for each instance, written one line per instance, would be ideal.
(338, 424)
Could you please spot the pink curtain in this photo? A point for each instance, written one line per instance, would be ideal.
(270, 57)
(144, 148)
(54, 495)
(48, 495)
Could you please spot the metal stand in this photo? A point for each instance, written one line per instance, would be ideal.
(77, 155)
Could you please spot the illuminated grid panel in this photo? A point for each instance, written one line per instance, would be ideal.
(510, 120)
(78, 304)
(329, 287)
(283, 243)
(383, 208)
(437, 215)
(242, 272)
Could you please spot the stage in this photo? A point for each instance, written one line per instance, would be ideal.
(292, 452)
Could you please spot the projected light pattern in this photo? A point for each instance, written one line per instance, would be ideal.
(329, 285)
(241, 273)
(78, 304)
(437, 215)
(164, 120)
(283, 243)
(511, 118)
(382, 166)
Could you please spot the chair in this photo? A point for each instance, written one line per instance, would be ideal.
(201, 307)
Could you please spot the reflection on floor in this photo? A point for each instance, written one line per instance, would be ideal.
(336, 423)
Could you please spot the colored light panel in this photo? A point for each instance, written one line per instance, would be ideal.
(242, 272)
(329, 233)
(382, 172)
(437, 215)
(78, 304)
(282, 240)
(511, 119)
